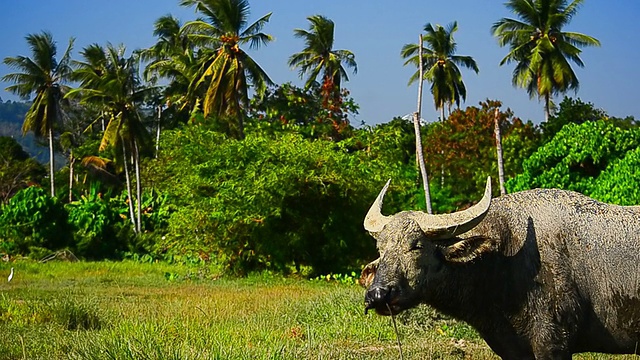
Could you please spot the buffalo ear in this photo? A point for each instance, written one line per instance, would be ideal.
(368, 273)
(465, 250)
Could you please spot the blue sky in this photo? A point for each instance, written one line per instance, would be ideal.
(375, 31)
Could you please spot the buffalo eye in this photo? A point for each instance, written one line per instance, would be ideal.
(417, 246)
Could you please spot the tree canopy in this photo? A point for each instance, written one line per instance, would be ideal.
(540, 48)
(250, 175)
(440, 65)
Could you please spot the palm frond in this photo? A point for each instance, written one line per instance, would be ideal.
(256, 75)
(538, 46)
(580, 40)
(466, 61)
(63, 69)
(96, 161)
(258, 40)
(318, 56)
(256, 27)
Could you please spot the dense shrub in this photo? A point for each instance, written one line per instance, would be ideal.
(17, 169)
(33, 223)
(304, 111)
(576, 157)
(460, 153)
(619, 184)
(99, 232)
(268, 202)
(570, 111)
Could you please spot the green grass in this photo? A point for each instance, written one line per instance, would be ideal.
(131, 310)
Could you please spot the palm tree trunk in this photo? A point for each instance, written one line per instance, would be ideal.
(72, 161)
(136, 162)
(158, 131)
(420, 156)
(442, 118)
(51, 164)
(498, 135)
(126, 174)
(416, 126)
(547, 105)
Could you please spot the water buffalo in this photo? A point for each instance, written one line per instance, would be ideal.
(541, 274)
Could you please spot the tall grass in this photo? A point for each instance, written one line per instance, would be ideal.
(156, 311)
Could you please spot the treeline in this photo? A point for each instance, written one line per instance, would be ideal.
(289, 197)
(222, 165)
(11, 119)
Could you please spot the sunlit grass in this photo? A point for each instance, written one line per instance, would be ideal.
(158, 311)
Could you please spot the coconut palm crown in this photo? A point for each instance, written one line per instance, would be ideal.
(441, 65)
(320, 59)
(226, 70)
(540, 49)
(45, 76)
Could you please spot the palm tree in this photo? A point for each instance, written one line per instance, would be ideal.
(109, 79)
(227, 71)
(539, 47)
(318, 58)
(416, 128)
(172, 57)
(172, 42)
(497, 133)
(45, 76)
(440, 65)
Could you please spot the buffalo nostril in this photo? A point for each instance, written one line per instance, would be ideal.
(379, 295)
(374, 297)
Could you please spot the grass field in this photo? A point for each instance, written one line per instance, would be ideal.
(130, 310)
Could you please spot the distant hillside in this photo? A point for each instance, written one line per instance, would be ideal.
(13, 111)
(11, 117)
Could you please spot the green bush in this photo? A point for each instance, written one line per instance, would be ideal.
(156, 211)
(576, 157)
(32, 221)
(268, 203)
(619, 184)
(98, 230)
(18, 169)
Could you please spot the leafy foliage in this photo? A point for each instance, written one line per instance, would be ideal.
(33, 222)
(576, 157)
(289, 108)
(570, 111)
(616, 185)
(98, 230)
(392, 142)
(539, 47)
(17, 169)
(460, 152)
(268, 203)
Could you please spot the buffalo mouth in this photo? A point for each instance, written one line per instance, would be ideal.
(385, 308)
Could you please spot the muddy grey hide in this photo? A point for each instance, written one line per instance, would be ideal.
(541, 274)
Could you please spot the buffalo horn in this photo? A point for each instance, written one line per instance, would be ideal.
(445, 226)
(375, 221)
